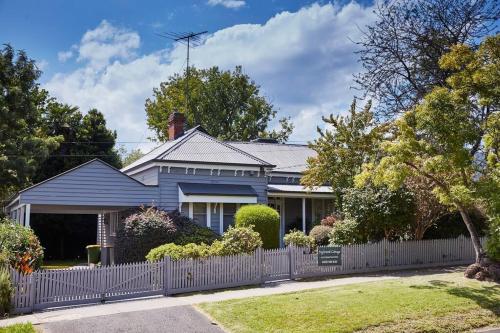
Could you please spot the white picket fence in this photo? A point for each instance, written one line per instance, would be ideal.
(54, 288)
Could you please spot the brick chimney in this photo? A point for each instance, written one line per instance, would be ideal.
(176, 122)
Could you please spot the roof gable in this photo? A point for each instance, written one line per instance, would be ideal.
(198, 147)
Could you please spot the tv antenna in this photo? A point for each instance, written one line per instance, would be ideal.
(190, 39)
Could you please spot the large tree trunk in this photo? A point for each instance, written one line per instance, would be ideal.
(478, 248)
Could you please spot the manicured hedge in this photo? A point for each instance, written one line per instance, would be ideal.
(264, 220)
(234, 241)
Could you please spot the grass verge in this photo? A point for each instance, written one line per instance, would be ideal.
(432, 303)
(18, 328)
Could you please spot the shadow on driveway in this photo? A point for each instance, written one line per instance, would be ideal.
(172, 319)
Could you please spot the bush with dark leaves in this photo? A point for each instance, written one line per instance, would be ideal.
(152, 227)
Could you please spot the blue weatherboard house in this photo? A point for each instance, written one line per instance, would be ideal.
(205, 178)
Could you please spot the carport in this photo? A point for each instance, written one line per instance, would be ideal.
(94, 187)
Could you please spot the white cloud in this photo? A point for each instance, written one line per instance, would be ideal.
(63, 56)
(42, 64)
(303, 61)
(233, 4)
(106, 43)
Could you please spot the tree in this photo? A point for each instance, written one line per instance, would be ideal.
(131, 157)
(379, 212)
(428, 209)
(400, 51)
(226, 104)
(84, 138)
(23, 146)
(446, 137)
(341, 152)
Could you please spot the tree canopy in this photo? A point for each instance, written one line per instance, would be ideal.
(447, 136)
(341, 152)
(400, 51)
(84, 137)
(23, 143)
(227, 104)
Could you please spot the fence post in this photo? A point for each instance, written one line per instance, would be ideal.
(34, 287)
(291, 260)
(260, 253)
(166, 275)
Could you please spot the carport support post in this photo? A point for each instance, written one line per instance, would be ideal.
(28, 214)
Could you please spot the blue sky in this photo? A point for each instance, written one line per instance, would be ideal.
(105, 54)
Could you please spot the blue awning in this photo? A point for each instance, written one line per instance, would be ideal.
(217, 189)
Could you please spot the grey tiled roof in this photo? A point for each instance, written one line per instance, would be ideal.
(198, 147)
(286, 157)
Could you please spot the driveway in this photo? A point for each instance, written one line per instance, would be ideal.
(171, 319)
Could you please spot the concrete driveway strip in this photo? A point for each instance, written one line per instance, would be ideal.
(171, 319)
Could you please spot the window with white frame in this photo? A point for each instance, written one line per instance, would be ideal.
(200, 213)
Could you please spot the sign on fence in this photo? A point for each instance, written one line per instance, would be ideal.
(329, 256)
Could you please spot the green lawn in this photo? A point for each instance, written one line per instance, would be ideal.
(60, 264)
(18, 328)
(434, 303)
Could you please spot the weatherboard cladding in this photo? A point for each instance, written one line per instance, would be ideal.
(93, 184)
(147, 177)
(169, 191)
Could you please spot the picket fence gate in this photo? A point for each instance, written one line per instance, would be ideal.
(55, 288)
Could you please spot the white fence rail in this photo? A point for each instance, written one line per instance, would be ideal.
(54, 288)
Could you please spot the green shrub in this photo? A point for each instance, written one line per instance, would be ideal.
(6, 291)
(234, 241)
(379, 211)
(264, 219)
(345, 232)
(21, 245)
(176, 252)
(298, 238)
(237, 240)
(321, 234)
(151, 227)
(493, 240)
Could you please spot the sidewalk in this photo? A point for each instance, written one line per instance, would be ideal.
(159, 302)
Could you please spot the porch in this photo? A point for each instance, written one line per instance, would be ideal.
(300, 208)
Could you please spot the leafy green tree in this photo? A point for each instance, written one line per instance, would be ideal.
(341, 152)
(85, 137)
(23, 145)
(227, 104)
(446, 137)
(131, 157)
(379, 211)
(400, 50)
